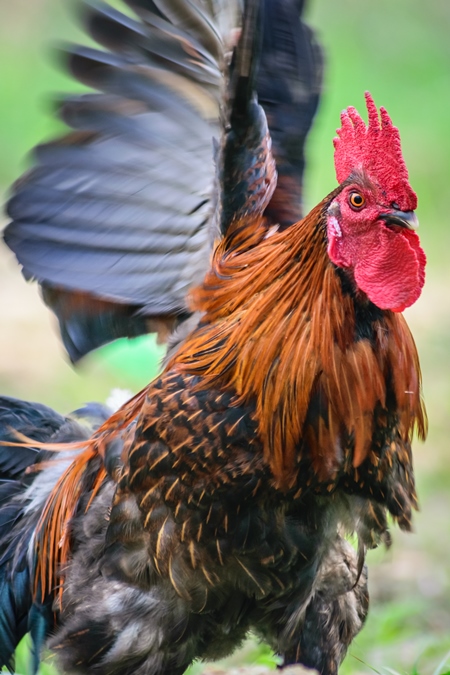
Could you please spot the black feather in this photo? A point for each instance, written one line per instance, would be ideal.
(21, 611)
(33, 420)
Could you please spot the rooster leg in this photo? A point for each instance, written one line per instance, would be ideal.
(329, 628)
(314, 624)
(335, 614)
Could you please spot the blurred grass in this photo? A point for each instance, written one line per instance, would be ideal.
(400, 52)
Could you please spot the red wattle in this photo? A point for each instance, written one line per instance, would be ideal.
(390, 268)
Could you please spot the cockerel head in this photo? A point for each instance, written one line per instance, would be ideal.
(371, 222)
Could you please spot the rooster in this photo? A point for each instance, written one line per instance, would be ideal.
(217, 500)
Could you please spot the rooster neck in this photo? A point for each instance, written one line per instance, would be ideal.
(282, 328)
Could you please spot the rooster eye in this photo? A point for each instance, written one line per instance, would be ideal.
(356, 200)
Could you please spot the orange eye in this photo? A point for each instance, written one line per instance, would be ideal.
(356, 200)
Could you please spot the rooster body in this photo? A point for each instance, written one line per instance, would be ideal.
(217, 500)
(220, 551)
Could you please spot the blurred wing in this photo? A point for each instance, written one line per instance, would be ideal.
(113, 219)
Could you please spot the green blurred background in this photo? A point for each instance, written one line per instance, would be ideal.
(400, 51)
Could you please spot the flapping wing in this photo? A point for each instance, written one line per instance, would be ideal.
(115, 219)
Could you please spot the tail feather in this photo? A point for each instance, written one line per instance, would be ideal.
(33, 420)
(11, 630)
(19, 614)
(25, 603)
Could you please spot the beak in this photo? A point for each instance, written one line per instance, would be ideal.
(403, 218)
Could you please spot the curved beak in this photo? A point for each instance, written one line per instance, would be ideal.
(402, 218)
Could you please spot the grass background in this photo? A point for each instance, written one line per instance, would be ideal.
(400, 51)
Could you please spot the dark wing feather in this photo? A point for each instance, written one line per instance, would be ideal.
(39, 423)
(33, 420)
(116, 219)
(118, 210)
(289, 85)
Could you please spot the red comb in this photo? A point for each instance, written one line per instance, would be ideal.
(376, 150)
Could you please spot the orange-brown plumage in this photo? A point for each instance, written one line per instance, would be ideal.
(53, 544)
(277, 327)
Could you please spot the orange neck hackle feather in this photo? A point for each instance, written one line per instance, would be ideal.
(277, 328)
